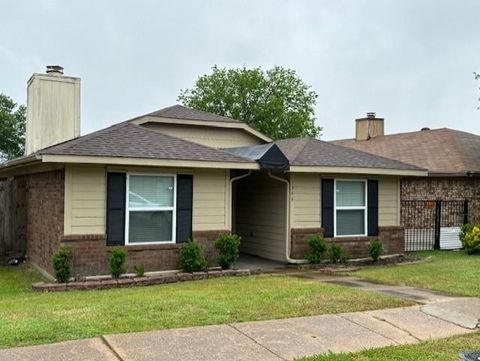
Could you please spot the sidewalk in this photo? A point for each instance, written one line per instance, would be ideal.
(264, 340)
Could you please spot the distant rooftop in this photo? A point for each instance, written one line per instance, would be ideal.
(442, 151)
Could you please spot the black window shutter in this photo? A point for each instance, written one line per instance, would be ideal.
(184, 207)
(116, 194)
(372, 213)
(327, 207)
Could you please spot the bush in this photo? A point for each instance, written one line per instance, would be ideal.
(227, 246)
(139, 270)
(117, 262)
(337, 254)
(318, 248)
(62, 267)
(191, 257)
(470, 237)
(375, 249)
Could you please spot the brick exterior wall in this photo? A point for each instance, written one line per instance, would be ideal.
(444, 188)
(299, 241)
(392, 237)
(40, 201)
(91, 255)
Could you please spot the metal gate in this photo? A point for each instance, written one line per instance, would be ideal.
(433, 224)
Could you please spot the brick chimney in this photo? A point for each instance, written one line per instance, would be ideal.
(53, 109)
(369, 127)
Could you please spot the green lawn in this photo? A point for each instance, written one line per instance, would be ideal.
(444, 350)
(449, 271)
(27, 317)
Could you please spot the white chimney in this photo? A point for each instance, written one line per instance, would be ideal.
(53, 109)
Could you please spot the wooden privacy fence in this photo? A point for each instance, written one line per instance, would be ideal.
(12, 238)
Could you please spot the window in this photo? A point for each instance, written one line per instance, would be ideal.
(350, 208)
(150, 213)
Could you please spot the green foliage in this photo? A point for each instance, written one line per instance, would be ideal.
(337, 254)
(117, 262)
(470, 237)
(139, 270)
(276, 102)
(318, 248)
(375, 249)
(191, 257)
(62, 264)
(12, 128)
(228, 247)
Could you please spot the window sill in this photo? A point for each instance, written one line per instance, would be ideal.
(148, 247)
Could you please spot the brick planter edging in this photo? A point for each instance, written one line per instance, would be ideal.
(136, 281)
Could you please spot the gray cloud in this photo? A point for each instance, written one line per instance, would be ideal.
(410, 61)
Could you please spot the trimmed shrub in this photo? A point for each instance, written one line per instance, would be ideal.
(192, 258)
(62, 264)
(375, 249)
(139, 270)
(228, 248)
(117, 262)
(318, 248)
(470, 237)
(337, 254)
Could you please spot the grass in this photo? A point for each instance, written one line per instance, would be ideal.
(27, 317)
(443, 349)
(448, 271)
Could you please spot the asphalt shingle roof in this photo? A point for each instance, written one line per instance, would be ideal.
(181, 112)
(441, 151)
(134, 141)
(314, 152)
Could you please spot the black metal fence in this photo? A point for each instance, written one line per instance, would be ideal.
(431, 224)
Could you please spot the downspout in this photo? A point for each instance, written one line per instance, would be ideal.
(231, 194)
(287, 231)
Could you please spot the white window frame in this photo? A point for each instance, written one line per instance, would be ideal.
(356, 208)
(173, 209)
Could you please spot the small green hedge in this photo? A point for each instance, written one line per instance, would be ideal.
(470, 237)
(62, 266)
(117, 262)
(318, 248)
(192, 258)
(228, 247)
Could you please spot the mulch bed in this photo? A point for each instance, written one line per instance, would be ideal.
(137, 281)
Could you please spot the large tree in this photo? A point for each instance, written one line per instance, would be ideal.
(12, 128)
(276, 102)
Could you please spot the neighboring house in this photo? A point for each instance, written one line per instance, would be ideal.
(151, 183)
(452, 158)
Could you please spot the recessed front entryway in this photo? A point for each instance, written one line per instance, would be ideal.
(260, 215)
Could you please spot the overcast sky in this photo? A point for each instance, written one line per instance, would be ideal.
(412, 62)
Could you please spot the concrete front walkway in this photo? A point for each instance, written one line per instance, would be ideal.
(264, 340)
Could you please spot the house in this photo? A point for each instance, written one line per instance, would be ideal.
(150, 183)
(452, 158)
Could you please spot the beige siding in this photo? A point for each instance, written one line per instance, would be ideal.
(305, 200)
(85, 197)
(388, 201)
(261, 216)
(209, 136)
(211, 192)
